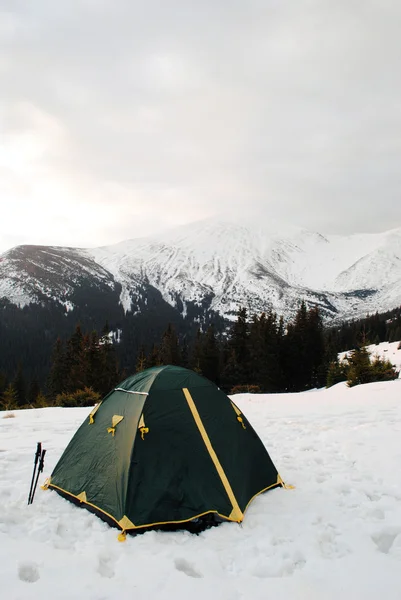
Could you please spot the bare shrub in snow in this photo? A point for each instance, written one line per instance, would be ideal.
(245, 389)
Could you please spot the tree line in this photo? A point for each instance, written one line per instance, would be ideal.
(259, 353)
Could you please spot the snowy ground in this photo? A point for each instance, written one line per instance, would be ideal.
(337, 535)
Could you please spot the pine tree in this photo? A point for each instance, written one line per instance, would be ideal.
(360, 370)
(257, 350)
(41, 400)
(265, 352)
(230, 377)
(169, 350)
(239, 348)
(141, 361)
(336, 373)
(383, 370)
(294, 362)
(315, 349)
(58, 376)
(109, 366)
(75, 362)
(363, 370)
(153, 359)
(19, 385)
(33, 392)
(3, 381)
(9, 398)
(304, 361)
(92, 361)
(196, 353)
(209, 356)
(185, 354)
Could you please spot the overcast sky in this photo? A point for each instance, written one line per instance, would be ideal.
(120, 118)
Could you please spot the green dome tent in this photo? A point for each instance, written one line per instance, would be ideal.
(164, 447)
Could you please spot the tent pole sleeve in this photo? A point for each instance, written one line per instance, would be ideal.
(236, 513)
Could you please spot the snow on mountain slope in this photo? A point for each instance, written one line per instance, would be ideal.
(261, 265)
(33, 273)
(336, 535)
(227, 263)
(345, 263)
(222, 263)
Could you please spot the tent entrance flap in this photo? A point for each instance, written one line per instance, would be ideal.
(236, 513)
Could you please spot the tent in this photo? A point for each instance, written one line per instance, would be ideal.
(166, 446)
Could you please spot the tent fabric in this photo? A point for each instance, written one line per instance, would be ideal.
(165, 446)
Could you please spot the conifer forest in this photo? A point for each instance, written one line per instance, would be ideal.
(74, 364)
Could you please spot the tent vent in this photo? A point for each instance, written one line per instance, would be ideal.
(114, 422)
(92, 414)
(142, 427)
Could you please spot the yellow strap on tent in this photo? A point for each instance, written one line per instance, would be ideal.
(92, 414)
(114, 422)
(122, 536)
(238, 413)
(286, 486)
(142, 427)
(46, 484)
(240, 419)
(144, 430)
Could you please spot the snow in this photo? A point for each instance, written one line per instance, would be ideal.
(337, 535)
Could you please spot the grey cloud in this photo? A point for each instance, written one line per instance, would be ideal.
(291, 108)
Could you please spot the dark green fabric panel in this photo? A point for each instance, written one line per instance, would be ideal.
(242, 454)
(163, 378)
(172, 476)
(97, 463)
(141, 382)
(176, 378)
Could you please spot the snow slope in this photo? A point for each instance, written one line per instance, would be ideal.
(337, 535)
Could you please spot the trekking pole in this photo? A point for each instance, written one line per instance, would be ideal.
(40, 470)
(37, 458)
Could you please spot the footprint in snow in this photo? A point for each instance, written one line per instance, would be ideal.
(185, 567)
(105, 567)
(384, 540)
(330, 543)
(29, 572)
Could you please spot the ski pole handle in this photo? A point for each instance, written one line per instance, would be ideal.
(38, 452)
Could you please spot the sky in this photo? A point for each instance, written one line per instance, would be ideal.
(121, 118)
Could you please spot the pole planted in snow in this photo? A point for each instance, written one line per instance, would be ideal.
(36, 460)
(40, 470)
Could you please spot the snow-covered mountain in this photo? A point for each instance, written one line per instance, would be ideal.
(220, 265)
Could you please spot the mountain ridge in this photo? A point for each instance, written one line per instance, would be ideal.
(220, 264)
